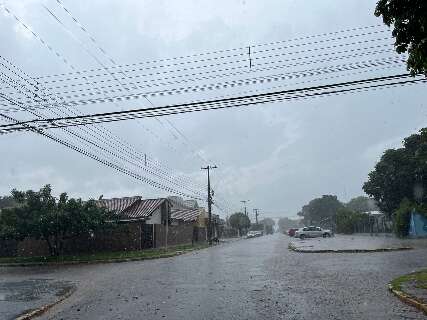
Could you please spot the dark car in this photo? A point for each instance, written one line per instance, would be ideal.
(291, 232)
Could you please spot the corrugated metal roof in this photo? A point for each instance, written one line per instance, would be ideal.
(118, 205)
(143, 208)
(132, 207)
(190, 214)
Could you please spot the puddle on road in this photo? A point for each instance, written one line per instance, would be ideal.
(32, 289)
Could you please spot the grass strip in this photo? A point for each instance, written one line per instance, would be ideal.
(104, 256)
(419, 280)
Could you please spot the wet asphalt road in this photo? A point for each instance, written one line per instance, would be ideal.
(248, 279)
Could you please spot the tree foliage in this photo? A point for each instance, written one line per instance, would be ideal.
(347, 220)
(361, 204)
(6, 202)
(41, 216)
(320, 210)
(239, 221)
(409, 19)
(400, 173)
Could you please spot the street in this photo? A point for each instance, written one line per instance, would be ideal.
(246, 279)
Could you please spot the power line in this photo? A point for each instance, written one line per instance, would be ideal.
(233, 83)
(212, 104)
(87, 141)
(111, 60)
(47, 46)
(107, 141)
(243, 49)
(196, 88)
(40, 39)
(215, 66)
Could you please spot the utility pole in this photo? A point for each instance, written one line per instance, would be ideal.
(256, 215)
(208, 168)
(244, 204)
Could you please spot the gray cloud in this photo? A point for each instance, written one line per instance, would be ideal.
(280, 155)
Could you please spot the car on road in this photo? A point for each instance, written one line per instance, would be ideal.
(291, 232)
(254, 234)
(251, 234)
(312, 232)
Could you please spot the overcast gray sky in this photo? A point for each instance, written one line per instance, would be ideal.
(279, 156)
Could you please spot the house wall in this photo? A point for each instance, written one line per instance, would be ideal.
(32, 248)
(8, 248)
(156, 217)
(126, 237)
(183, 233)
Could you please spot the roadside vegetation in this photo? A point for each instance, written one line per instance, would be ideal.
(395, 187)
(39, 215)
(105, 256)
(418, 278)
(407, 288)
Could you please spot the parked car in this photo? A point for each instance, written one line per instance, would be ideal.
(254, 234)
(312, 232)
(291, 232)
(259, 233)
(251, 234)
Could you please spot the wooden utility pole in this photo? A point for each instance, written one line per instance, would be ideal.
(208, 168)
(256, 215)
(244, 206)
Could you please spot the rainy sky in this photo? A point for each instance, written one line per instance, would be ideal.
(279, 156)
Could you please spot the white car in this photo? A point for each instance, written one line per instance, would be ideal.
(312, 232)
(251, 234)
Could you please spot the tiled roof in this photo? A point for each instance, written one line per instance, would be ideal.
(190, 214)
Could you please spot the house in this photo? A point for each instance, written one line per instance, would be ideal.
(378, 222)
(142, 224)
(190, 223)
(158, 222)
(144, 219)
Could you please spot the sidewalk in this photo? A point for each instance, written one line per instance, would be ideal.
(349, 243)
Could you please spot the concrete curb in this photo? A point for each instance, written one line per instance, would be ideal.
(413, 301)
(39, 311)
(65, 263)
(295, 249)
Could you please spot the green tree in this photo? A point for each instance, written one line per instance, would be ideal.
(409, 19)
(41, 216)
(400, 173)
(320, 210)
(402, 217)
(6, 202)
(362, 204)
(348, 220)
(240, 222)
